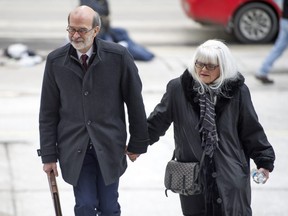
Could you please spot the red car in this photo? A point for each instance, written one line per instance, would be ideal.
(250, 21)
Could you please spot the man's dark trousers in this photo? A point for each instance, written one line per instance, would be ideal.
(91, 194)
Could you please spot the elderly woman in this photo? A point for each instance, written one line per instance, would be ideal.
(212, 113)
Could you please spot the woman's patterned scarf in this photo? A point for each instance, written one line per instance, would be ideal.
(209, 143)
(207, 123)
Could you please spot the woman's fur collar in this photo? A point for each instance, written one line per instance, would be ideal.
(229, 89)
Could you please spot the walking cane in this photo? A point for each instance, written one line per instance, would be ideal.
(54, 193)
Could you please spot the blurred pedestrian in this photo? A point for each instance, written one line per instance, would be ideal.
(117, 34)
(212, 112)
(279, 47)
(82, 115)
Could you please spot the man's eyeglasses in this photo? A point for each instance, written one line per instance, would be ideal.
(81, 31)
(209, 67)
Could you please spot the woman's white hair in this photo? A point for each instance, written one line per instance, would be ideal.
(214, 52)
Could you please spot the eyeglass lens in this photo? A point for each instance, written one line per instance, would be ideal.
(208, 66)
(80, 31)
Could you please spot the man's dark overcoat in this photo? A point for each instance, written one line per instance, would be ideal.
(241, 137)
(78, 106)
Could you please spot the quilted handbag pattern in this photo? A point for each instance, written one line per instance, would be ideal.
(182, 178)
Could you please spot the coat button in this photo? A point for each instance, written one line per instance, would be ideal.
(89, 122)
(219, 200)
(214, 174)
(79, 150)
(86, 93)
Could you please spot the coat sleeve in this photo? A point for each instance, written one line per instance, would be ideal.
(252, 135)
(49, 115)
(131, 87)
(161, 117)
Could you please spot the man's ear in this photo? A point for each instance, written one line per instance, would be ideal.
(96, 30)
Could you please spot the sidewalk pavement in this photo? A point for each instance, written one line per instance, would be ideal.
(24, 189)
(23, 185)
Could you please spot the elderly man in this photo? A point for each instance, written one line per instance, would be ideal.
(85, 87)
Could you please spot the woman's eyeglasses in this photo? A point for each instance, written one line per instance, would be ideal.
(209, 67)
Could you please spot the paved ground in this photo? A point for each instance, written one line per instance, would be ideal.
(23, 186)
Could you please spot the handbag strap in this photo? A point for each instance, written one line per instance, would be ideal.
(173, 156)
(201, 161)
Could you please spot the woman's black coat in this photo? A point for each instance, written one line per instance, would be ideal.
(77, 106)
(241, 137)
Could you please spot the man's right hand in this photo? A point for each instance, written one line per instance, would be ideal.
(49, 167)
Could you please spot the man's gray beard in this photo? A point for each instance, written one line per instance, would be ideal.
(77, 46)
(82, 44)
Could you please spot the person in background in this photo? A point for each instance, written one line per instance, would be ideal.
(82, 118)
(211, 110)
(117, 34)
(279, 47)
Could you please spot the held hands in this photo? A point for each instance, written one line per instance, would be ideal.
(132, 156)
